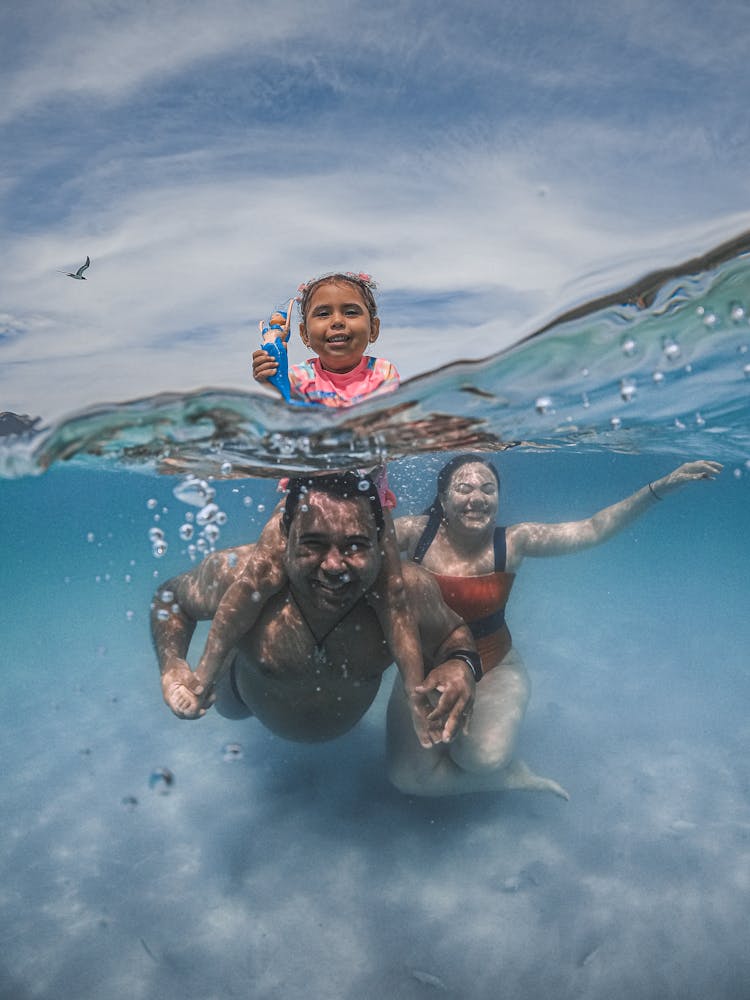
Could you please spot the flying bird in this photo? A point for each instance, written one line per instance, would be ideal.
(79, 273)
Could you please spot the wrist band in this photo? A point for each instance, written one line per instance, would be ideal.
(471, 659)
(654, 493)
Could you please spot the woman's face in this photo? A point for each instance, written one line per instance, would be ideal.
(471, 500)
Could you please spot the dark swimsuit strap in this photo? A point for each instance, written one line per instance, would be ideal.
(431, 529)
(427, 537)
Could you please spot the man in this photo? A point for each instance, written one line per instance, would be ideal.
(311, 665)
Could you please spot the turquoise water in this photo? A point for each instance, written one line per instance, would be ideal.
(279, 870)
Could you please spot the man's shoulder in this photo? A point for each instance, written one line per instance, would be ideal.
(419, 582)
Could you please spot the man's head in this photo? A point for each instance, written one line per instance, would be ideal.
(333, 525)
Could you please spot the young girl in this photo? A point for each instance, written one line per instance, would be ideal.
(338, 323)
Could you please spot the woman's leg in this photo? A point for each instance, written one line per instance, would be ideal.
(480, 761)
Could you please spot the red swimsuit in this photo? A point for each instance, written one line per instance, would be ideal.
(479, 600)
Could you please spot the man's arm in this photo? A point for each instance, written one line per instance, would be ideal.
(530, 539)
(442, 633)
(177, 605)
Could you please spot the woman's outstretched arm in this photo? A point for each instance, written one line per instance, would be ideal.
(530, 539)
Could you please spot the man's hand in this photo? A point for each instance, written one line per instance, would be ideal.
(453, 682)
(428, 732)
(183, 692)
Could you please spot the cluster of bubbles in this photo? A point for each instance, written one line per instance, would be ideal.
(672, 355)
(161, 780)
(200, 528)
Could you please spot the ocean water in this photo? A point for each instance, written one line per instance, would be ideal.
(267, 869)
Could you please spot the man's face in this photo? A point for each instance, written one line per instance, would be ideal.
(333, 554)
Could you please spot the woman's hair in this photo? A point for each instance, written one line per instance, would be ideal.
(363, 282)
(344, 485)
(435, 511)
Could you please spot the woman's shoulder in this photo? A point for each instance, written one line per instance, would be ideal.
(409, 530)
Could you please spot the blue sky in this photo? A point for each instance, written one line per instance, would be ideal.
(489, 164)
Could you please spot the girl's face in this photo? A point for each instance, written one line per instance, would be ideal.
(338, 327)
(471, 500)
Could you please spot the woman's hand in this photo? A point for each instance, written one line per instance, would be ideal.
(688, 473)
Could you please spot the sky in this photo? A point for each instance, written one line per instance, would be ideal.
(489, 164)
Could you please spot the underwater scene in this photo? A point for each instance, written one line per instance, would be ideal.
(149, 856)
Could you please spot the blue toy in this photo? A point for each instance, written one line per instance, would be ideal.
(273, 338)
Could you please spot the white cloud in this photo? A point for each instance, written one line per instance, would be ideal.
(107, 51)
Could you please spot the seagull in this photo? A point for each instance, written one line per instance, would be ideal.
(79, 272)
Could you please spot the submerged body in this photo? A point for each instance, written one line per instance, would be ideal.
(310, 664)
(459, 544)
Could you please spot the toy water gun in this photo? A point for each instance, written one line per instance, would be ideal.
(274, 335)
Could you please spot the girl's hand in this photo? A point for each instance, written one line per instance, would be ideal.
(264, 366)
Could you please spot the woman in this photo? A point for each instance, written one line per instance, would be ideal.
(475, 564)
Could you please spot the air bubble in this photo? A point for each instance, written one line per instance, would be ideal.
(247, 501)
(232, 559)
(363, 485)
(166, 596)
(221, 518)
(211, 533)
(186, 532)
(194, 491)
(737, 473)
(163, 615)
(679, 424)
(231, 751)
(615, 423)
(129, 615)
(585, 400)
(255, 596)
(671, 349)
(206, 514)
(152, 503)
(629, 346)
(628, 389)
(226, 468)
(261, 508)
(161, 780)
(746, 371)
(543, 405)
(159, 549)
(700, 420)
(303, 507)
(155, 534)
(710, 320)
(737, 312)
(658, 377)
(90, 537)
